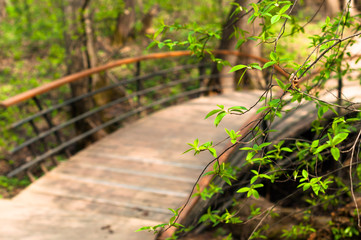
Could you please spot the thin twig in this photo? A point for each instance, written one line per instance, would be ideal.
(351, 180)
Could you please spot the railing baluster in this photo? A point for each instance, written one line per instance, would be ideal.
(48, 120)
(30, 175)
(37, 132)
(44, 168)
(50, 123)
(139, 84)
(201, 73)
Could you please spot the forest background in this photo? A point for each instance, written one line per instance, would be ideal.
(42, 40)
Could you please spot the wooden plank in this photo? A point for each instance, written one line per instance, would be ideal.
(128, 177)
(86, 204)
(144, 168)
(88, 188)
(147, 155)
(20, 222)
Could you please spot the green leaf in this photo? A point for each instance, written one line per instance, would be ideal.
(321, 111)
(295, 174)
(173, 211)
(142, 229)
(284, 8)
(335, 153)
(227, 180)
(306, 186)
(286, 149)
(213, 112)
(255, 193)
(213, 152)
(152, 44)
(273, 56)
(258, 185)
(339, 138)
(315, 143)
(253, 179)
(219, 118)
(304, 173)
(255, 7)
(161, 44)
(240, 79)
(268, 64)
(237, 108)
(188, 150)
(264, 145)
(321, 148)
(280, 83)
(275, 19)
(255, 66)
(244, 189)
(238, 67)
(261, 109)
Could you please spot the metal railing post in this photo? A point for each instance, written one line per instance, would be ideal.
(50, 123)
(139, 84)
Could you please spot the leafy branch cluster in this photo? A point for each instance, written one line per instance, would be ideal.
(313, 164)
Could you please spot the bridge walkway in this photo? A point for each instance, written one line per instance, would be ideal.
(125, 181)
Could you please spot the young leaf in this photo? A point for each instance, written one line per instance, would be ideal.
(240, 79)
(255, 7)
(284, 8)
(213, 112)
(255, 193)
(335, 153)
(219, 118)
(255, 66)
(339, 138)
(238, 67)
(304, 173)
(244, 189)
(321, 148)
(315, 143)
(213, 152)
(275, 19)
(273, 56)
(143, 228)
(286, 149)
(280, 83)
(237, 109)
(321, 111)
(268, 64)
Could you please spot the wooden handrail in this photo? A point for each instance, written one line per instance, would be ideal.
(76, 76)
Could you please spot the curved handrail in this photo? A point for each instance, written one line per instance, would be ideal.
(76, 76)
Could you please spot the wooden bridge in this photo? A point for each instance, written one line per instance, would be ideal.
(123, 182)
(128, 179)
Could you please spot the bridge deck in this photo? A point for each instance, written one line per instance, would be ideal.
(125, 181)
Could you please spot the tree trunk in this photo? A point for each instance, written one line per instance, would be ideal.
(253, 78)
(77, 46)
(125, 23)
(148, 19)
(333, 7)
(2, 10)
(229, 42)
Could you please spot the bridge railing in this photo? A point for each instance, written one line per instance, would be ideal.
(49, 125)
